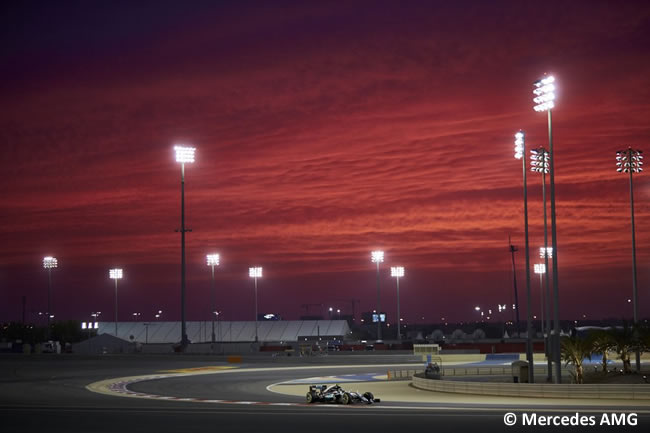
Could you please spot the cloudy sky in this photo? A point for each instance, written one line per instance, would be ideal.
(323, 130)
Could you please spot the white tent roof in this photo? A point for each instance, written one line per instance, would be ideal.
(201, 332)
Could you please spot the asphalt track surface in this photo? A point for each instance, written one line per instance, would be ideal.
(48, 393)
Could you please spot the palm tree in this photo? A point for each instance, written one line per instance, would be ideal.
(602, 342)
(574, 350)
(625, 343)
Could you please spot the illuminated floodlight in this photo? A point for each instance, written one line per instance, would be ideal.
(477, 308)
(50, 262)
(255, 272)
(539, 160)
(502, 307)
(397, 271)
(629, 160)
(213, 259)
(377, 256)
(519, 144)
(549, 252)
(184, 154)
(115, 274)
(544, 92)
(540, 268)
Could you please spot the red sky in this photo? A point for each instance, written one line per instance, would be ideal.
(323, 131)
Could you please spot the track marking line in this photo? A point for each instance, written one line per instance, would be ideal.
(208, 369)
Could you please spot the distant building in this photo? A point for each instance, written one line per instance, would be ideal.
(201, 332)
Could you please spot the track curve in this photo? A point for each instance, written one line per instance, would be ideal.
(51, 393)
(286, 386)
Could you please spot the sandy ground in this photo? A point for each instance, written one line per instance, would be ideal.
(401, 391)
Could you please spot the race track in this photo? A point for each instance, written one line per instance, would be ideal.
(253, 397)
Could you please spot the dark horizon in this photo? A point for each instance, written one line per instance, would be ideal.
(323, 131)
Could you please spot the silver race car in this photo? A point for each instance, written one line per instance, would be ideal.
(336, 394)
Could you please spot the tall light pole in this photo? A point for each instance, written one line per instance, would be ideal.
(540, 270)
(539, 164)
(544, 99)
(515, 307)
(520, 151)
(631, 161)
(184, 155)
(115, 274)
(397, 272)
(213, 260)
(546, 253)
(378, 257)
(255, 273)
(49, 263)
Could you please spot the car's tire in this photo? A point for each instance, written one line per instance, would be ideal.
(346, 399)
(369, 396)
(310, 397)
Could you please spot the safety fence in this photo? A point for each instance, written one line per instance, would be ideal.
(545, 390)
(461, 371)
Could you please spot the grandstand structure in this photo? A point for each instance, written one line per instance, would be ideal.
(227, 331)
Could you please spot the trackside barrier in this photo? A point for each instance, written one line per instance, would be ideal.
(461, 371)
(483, 371)
(402, 374)
(425, 349)
(549, 390)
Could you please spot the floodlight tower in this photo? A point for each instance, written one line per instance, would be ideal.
(546, 253)
(515, 307)
(520, 151)
(378, 257)
(544, 100)
(115, 274)
(49, 263)
(631, 161)
(539, 164)
(540, 269)
(397, 272)
(255, 273)
(213, 260)
(184, 155)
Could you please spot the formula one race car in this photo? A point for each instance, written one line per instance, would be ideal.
(336, 394)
